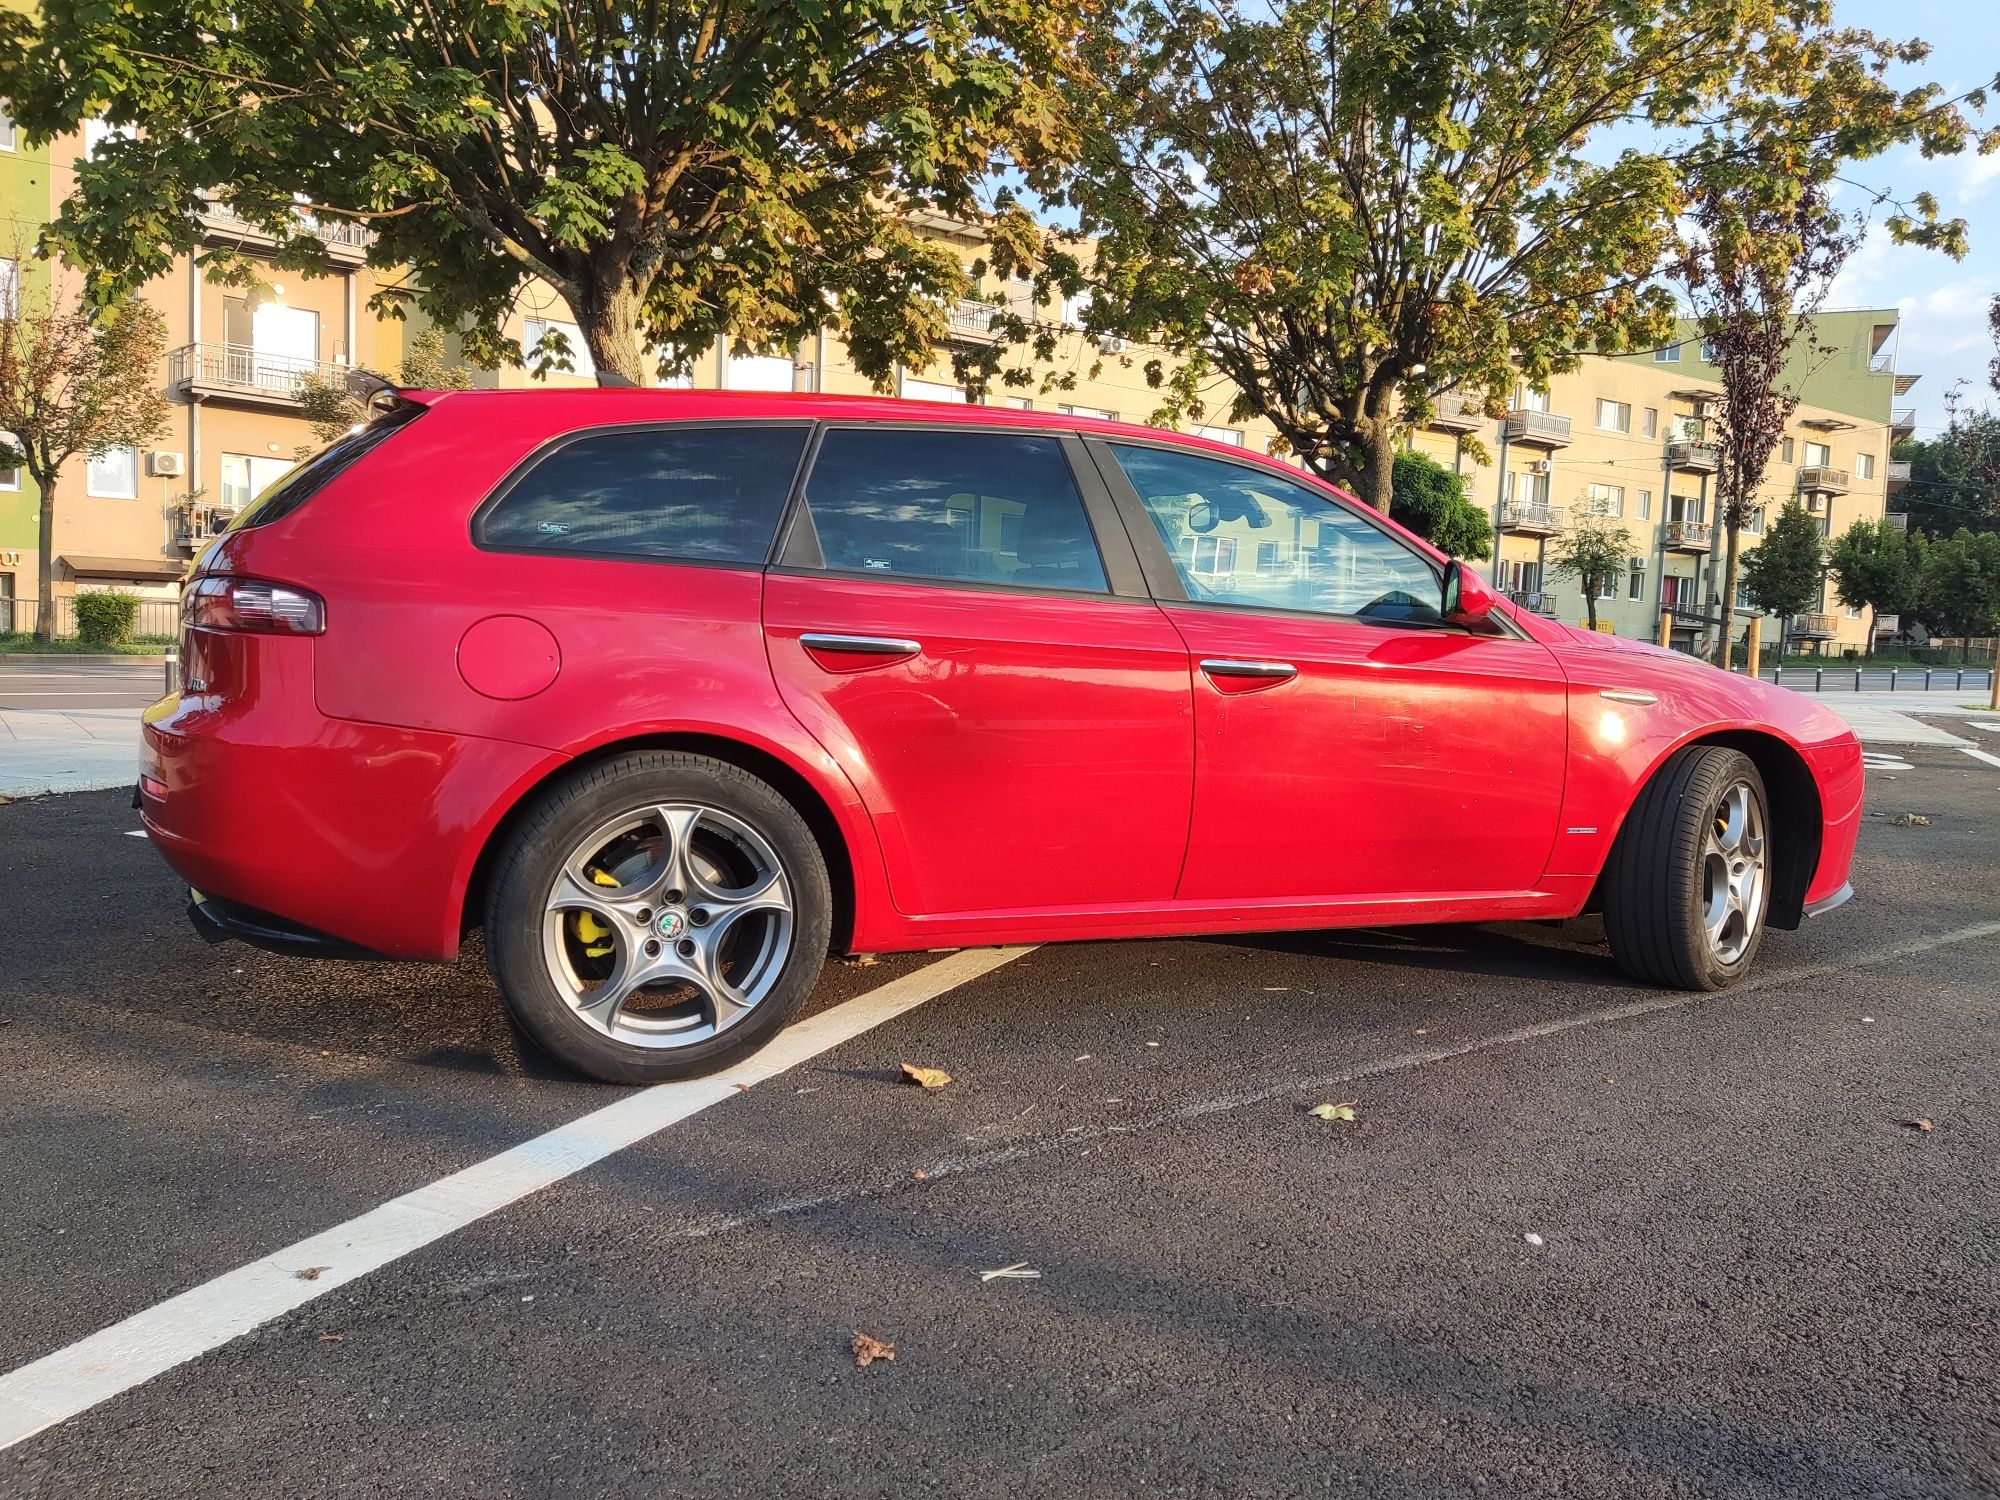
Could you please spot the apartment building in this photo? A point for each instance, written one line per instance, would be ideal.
(1626, 438)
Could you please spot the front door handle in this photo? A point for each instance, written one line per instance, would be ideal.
(1277, 671)
(861, 645)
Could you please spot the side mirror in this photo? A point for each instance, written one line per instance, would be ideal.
(1467, 599)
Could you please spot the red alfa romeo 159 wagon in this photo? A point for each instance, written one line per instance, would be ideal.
(673, 693)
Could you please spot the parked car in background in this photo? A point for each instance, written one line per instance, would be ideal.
(674, 693)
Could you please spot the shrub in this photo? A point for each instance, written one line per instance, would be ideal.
(105, 619)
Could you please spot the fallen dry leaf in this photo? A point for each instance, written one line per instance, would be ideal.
(926, 1078)
(333, 1338)
(310, 1273)
(868, 1349)
(1019, 1271)
(1343, 1112)
(1910, 820)
(1924, 1125)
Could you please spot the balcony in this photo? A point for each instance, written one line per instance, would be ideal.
(1813, 627)
(1458, 412)
(1897, 474)
(237, 372)
(1900, 519)
(1686, 536)
(1525, 518)
(971, 321)
(1536, 429)
(1535, 601)
(347, 243)
(1903, 422)
(1821, 480)
(1688, 457)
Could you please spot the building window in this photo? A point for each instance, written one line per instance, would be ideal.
(1671, 355)
(1019, 403)
(1635, 579)
(760, 372)
(1614, 416)
(932, 390)
(1605, 499)
(113, 474)
(1684, 509)
(10, 287)
(1707, 352)
(1527, 489)
(6, 129)
(1864, 466)
(1818, 455)
(245, 476)
(1075, 310)
(1645, 505)
(1785, 451)
(1652, 424)
(539, 328)
(1229, 435)
(1527, 398)
(1088, 411)
(10, 479)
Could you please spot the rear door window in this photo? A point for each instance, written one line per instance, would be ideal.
(979, 507)
(698, 494)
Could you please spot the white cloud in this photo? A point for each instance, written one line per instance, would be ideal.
(1977, 174)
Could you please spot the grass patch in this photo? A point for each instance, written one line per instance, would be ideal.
(20, 643)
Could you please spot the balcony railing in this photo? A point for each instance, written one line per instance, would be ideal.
(1903, 421)
(1814, 626)
(1688, 536)
(1897, 474)
(241, 370)
(969, 318)
(1900, 519)
(1693, 458)
(1525, 515)
(1540, 429)
(1821, 479)
(1535, 601)
(1456, 411)
(340, 234)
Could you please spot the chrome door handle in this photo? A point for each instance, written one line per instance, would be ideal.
(1226, 667)
(861, 645)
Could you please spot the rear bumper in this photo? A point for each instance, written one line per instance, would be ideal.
(1827, 903)
(222, 921)
(309, 834)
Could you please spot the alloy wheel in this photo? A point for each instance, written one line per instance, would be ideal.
(1734, 882)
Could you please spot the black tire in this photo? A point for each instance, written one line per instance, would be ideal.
(531, 861)
(1655, 887)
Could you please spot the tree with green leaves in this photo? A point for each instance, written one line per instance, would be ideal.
(1786, 573)
(1955, 476)
(1349, 207)
(1430, 500)
(332, 407)
(1593, 552)
(74, 382)
(676, 169)
(1958, 588)
(1874, 569)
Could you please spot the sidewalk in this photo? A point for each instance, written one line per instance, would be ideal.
(1884, 718)
(71, 750)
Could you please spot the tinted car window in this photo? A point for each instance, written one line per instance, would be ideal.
(707, 494)
(1240, 535)
(986, 507)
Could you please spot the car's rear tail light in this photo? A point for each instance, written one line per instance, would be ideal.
(225, 602)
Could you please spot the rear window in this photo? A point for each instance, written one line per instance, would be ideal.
(296, 486)
(702, 494)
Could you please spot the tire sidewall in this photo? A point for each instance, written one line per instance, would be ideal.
(563, 817)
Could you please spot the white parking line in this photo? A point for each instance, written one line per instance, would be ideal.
(72, 1380)
(1977, 754)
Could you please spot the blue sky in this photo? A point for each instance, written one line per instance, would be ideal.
(1944, 335)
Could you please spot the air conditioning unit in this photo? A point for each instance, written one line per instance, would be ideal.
(1540, 466)
(162, 465)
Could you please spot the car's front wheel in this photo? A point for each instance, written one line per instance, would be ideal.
(1688, 884)
(657, 916)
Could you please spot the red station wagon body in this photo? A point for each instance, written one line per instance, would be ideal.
(1048, 766)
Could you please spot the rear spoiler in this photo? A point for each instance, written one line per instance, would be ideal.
(380, 395)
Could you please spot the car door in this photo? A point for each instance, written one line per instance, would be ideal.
(1350, 745)
(959, 618)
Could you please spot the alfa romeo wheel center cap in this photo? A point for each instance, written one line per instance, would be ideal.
(671, 923)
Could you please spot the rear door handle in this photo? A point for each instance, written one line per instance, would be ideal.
(1229, 667)
(861, 645)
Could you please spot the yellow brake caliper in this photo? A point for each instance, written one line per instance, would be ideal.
(593, 934)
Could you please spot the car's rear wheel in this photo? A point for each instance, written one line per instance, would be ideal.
(1688, 884)
(657, 916)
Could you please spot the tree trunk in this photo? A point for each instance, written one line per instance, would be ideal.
(1590, 600)
(1868, 646)
(608, 315)
(1731, 555)
(1378, 469)
(45, 582)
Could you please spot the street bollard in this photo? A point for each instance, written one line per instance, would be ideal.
(1927, 679)
(1892, 679)
(1819, 679)
(173, 672)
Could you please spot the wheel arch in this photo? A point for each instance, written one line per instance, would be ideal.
(1795, 808)
(791, 783)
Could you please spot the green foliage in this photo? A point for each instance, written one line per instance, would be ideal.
(1594, 551)
(106, 618)
(1954, 477)
(677, 169)
(1430, 500)
(1958, 583)
(1349, 206)
(1874, 568)
(331, 409)
(1785, 573)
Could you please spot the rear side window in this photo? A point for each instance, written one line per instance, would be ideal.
(296, 486)
(703, 494)
(984, 507)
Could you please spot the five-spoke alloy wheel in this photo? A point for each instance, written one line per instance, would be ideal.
(657, 916)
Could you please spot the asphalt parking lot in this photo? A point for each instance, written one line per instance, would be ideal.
(1751, 1272)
